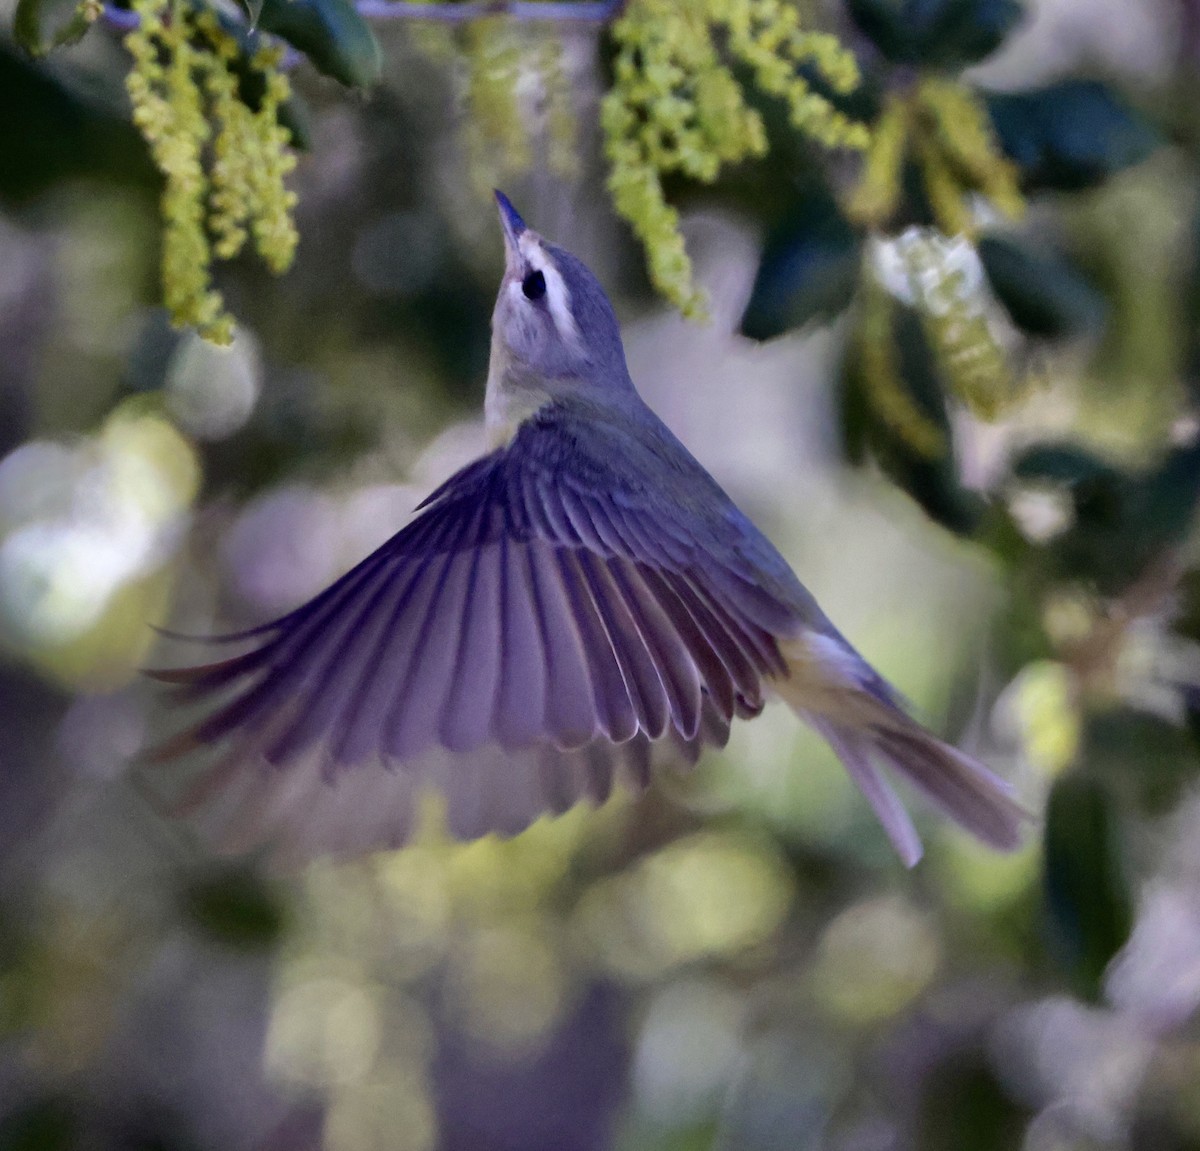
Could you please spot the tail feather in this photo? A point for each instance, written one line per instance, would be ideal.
(854, 752)
(982, 803)
(959, 786)
(836, 691)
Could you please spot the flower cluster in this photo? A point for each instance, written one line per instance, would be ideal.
(223, 161)
(942, 125)
(948, 284)
(515, 93)
(677, 107)
(942, 282)
(497, 137)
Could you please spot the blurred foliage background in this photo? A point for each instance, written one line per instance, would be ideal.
(948, 251)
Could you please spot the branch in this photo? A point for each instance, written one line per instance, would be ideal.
(534, 11)
(528, 11)
(120, 18)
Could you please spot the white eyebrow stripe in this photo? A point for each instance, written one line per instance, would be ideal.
(558, 295)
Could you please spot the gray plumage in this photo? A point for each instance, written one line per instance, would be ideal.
(580, 603)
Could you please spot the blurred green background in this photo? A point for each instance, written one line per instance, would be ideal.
(734, 960)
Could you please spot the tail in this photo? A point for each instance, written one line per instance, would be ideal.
(861, 720)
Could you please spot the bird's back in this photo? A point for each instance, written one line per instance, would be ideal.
(614, 447)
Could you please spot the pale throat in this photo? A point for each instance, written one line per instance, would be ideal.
(508, 401)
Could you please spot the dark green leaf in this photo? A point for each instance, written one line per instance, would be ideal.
(1191, 310)
(1191, 705)
(857, 423)
(1061, 463)
(1169, 497)
(963, 1105)
(1187, 621)
(39, 25)
(1071, 135)
(47, 1124)
(331, 34)
(936, 33)
(1123, 522)
(1089, 908)
(64, 131)
(968, 30)
(1019, 636)
(933, 483)
(236, 909)
(1044, 294)
(883, 22)
(809, 271)
(1142, 757)
(295, 116)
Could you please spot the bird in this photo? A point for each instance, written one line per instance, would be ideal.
(580, 604)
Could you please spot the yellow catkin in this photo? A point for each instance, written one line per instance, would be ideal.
(272, 203)
(944, 127)
(952, 311)
(948, 199)
(223, 163)
(676, 106)
(495, 130)
(877, 193)
(956, 124)
(562, 129)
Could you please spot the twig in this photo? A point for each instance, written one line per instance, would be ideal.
(584, 12)
(121, 18)
(528, 11)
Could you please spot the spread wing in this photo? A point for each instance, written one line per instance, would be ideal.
(535, 629)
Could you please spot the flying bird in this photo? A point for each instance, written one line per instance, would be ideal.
(582, 602)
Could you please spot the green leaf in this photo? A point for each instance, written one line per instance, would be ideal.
(809, 272)
(1191, 310)
(331, 33)
(65, 130)
(1088, 905)
(1187, 621)
(237, 909)
(969, 30)
(1070, 135)
(933, 483)
(40, 25)
(295, 116)
(1061, 463)
(1043, 293)
(1168, 498)
(855, 419)
(963, 1105)
(936, 33)
(1143, 758)
(47, 1124)
(1123, 522)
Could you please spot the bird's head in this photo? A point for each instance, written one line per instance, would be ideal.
(553, 329)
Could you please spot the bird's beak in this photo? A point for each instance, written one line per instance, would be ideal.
(511, 222)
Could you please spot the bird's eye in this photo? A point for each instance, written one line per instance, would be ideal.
(534, 286)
